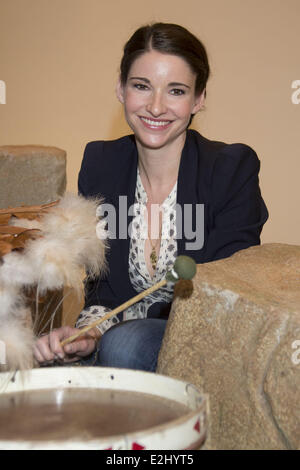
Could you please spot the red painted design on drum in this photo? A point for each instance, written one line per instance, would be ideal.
(136, 446)
(197, 426)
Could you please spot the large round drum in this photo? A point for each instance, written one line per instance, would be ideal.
(99, 408)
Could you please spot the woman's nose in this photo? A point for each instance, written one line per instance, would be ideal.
(156, 105)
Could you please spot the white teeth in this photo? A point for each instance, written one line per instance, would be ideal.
(155, 123)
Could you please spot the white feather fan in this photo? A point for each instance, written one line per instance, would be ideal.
(72, 239)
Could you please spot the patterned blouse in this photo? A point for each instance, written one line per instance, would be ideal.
(138, 271)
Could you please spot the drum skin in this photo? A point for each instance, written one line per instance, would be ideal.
(188, 431)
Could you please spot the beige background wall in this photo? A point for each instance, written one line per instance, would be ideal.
(60, 58)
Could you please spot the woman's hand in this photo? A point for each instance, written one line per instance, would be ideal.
(47, 348)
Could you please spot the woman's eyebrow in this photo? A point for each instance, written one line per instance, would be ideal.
(140, 78)
(146, 80)
(179, 84)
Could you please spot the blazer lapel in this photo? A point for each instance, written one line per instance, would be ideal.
(189, 194)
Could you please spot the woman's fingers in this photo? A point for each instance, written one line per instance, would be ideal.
(81, 347)
(48, 348)
(54, 343)
(42, 349)
(37, 354)
(57, 336)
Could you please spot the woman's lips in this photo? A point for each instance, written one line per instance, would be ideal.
(157, 124)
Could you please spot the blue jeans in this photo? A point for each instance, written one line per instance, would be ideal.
(133, 344)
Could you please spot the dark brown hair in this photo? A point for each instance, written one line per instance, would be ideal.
(167, 38)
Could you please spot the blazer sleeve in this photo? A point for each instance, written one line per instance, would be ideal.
(90, 174)
(237, 212)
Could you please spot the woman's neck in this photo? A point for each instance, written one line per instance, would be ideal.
(159, 169)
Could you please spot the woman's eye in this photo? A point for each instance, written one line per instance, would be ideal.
(177, 92)
(140, 86)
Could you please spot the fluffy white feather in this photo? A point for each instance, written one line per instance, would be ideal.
(18, 339)
(72, 240)
(10, 300)
(17, 270)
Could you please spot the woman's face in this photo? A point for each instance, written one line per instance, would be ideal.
(159, 98)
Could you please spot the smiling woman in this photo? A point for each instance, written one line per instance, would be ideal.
(163, 166)
(159, 98)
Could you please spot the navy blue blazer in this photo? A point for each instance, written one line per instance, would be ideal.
(222, 177)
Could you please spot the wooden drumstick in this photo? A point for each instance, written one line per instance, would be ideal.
(184, 268)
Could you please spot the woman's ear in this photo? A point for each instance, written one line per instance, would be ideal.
(199, 102)
(120, 91)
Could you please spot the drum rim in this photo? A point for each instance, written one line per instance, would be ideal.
(72, 376)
